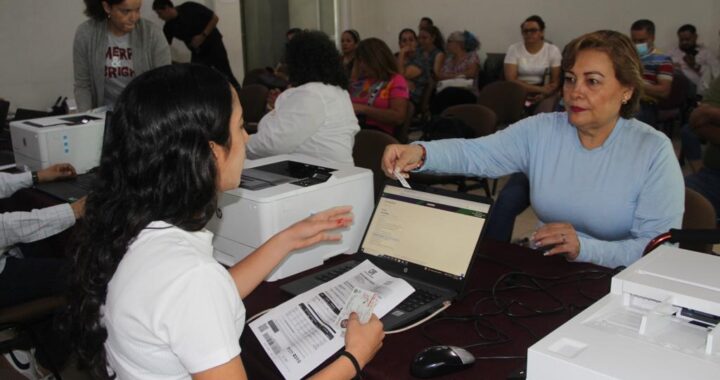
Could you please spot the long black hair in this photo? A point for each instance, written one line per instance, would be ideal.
(311, 57)
(156, 165)
(94, 8)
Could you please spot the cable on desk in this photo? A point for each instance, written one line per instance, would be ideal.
(258, 315)
(500, 357)
(513, 307)
(445, 305)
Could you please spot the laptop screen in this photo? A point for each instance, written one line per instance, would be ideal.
(434, 231)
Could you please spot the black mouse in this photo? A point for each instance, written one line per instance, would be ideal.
(440, 360)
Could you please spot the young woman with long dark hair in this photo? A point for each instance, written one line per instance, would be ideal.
(148, 300)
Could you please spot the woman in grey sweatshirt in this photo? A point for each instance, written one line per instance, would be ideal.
(111, 48)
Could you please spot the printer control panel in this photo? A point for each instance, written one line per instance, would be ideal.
(316, 178)
(278, 173)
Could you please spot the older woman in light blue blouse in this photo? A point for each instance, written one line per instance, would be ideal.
(602, 184)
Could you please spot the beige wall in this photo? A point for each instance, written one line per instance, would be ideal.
(36, 35)
(497, 22)
(36, 39)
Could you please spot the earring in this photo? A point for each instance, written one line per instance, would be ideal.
(624, 101)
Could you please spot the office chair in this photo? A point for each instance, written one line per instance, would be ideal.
(253, 99)
(699, 227)
(506, 99)
(17, 320)
(482, 122)
(367, 153)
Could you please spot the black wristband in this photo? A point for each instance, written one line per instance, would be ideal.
(35, 177)
(355, 364)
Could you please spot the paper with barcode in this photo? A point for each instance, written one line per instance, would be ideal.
(301, 333)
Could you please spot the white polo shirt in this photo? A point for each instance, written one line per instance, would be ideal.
(171, 309)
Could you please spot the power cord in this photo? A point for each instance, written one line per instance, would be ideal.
(445, 305)
(258, 315)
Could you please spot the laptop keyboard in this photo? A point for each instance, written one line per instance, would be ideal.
(85, 182)
(329, 275)
(419, 298)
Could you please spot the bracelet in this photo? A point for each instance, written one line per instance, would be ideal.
(355, 364)
(35, 178)
(422, 158)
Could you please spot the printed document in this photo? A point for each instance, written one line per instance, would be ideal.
(301, 333)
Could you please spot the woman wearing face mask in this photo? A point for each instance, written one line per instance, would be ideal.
(602, 183)
(112, 48)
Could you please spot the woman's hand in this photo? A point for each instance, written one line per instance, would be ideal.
(314, 229)
(55, 172)
(404, 158)
(363, 340)
(562, 237)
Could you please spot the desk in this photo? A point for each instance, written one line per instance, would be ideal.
(393, 359)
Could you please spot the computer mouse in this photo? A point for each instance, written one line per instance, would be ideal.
(440, 360)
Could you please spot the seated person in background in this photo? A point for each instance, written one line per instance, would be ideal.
(279, 73)
(698, 63)
(112, 48)
(147, 296)
(24, 278)
(291, 33)
(657, 70)
(28, 271)
(411, 65)
(348, 43)
(603, 184)
(425, 22)
(196, 25)
(458, 72)
(534, 63)
(380, 95)
(431, 49)
(315, 116)
(705, 122)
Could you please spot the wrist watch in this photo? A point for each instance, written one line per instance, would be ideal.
(35, 178)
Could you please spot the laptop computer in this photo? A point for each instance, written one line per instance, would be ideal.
(425, 235)
(75, 188)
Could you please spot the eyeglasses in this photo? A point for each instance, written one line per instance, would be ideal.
(530, 31)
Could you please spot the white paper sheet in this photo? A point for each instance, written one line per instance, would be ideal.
(300, 334)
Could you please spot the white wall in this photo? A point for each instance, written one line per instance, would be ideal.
(36, 35)
(497, 22)
(36, 38)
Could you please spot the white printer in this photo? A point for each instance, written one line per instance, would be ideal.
(76, 139)
(658, 322)
(276, 192)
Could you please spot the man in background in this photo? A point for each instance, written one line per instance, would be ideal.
(698, 63)
(195, 25)
(657, 70)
